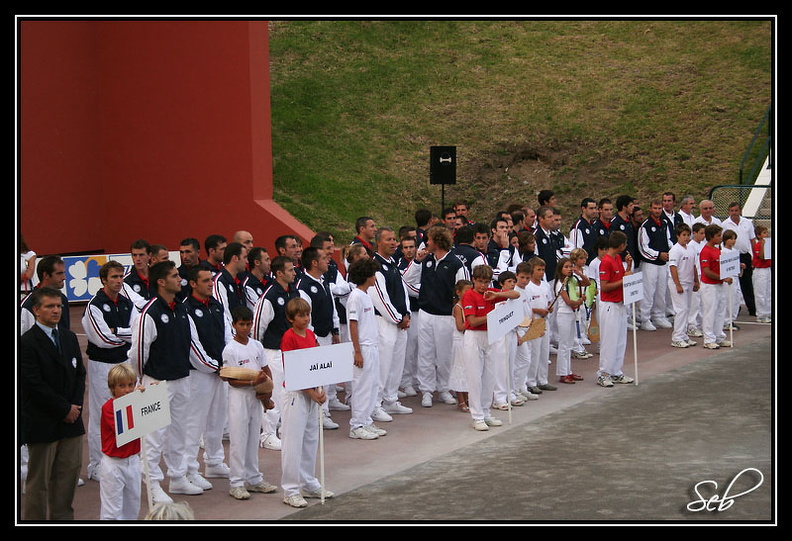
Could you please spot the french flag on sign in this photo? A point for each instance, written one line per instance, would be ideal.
(124, 420)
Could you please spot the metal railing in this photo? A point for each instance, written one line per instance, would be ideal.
(758, 149)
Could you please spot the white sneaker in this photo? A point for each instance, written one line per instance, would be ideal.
(725, 344)
(239, 493)
(220, 470)
(182, 485)
(604, 380)
(376, 430)
(410, 391)
(695, 332)
(263, 487)
(328, 423)
(396, 408)
(271, 442)
(480, 424)
(336, 404)
(426, 400)
(528, 395)
(679, 344)
(360, 433)
(196, 479)
(295, 500)
(711, 345)
(492, 421)
(691, 342)
(621, 378)
(662, 323)
(158, 495)
(446, 398)
(379, 415)
(648, 326)
(318, 493)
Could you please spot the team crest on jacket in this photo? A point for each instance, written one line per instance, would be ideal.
(428, 263)
(314, 289)
(164, 318)
(199, 312)
(136, 287)
(106, 307)
(281, 301)
(544, 241)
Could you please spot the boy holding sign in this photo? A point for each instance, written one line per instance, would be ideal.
(119, 489)
(613, 331)
(712, 290)
(479, 353)
(762, 275)
(300, 417)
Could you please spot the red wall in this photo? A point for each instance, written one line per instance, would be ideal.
(145, 129)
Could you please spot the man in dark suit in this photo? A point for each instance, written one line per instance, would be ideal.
(52, 386)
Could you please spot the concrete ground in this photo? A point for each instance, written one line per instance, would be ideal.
(697, 424)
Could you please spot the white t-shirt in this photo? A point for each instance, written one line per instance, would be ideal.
(539, 296)
(250, 355)
(684, 259)
(696, 247)
(361, 309)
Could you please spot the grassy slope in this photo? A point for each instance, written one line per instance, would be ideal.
(594, 108)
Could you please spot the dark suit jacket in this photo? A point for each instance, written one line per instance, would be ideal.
(49, 383)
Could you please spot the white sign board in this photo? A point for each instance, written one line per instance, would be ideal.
(768, 248)
(632, 286)
(730, 264)
(314, 367)
(503, 318)
(140, 412)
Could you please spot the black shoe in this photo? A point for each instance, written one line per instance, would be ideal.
(548, 387)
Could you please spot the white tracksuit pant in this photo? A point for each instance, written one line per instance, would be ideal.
(299, 443)
(409, 375)
(169, 442)
(120, 488)
(480, 357)
(208, 414)
(613, 337)
(566, 340)
(524, 368)
(392, 344)
(504, 369)
(713, 312)
(434, 352)
(244, 423)
(98, 394)
(655, 283)
(763, 291)
(270, 419)
(540, 359)
(365, 384)
(681, 303)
